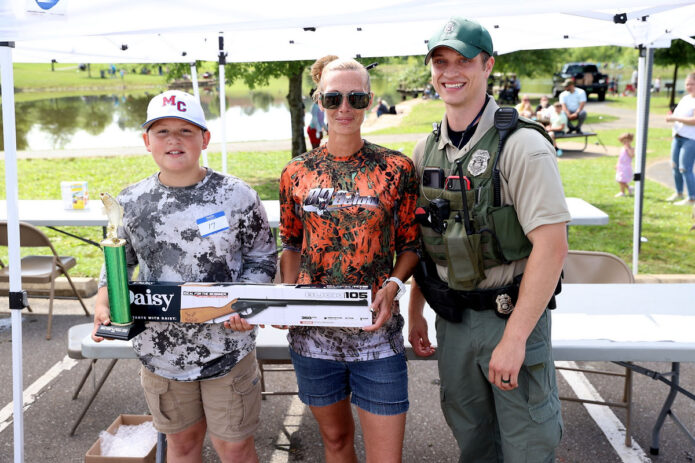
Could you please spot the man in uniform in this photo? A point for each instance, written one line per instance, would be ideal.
(491, 264)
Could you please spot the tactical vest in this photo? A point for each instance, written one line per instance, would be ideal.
(491, 234)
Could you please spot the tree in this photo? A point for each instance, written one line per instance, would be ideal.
(258, 75)
(680, 53)
(529, 62)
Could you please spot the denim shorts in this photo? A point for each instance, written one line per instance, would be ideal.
(377, 386)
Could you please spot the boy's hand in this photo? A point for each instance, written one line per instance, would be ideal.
(236, 323)
(102, 316)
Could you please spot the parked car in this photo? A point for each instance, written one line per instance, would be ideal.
(586, 76)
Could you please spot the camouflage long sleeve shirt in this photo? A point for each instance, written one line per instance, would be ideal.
(166, 243)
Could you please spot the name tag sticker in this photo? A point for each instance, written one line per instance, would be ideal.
(213, 223)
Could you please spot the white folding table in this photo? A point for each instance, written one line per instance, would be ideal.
(620, 323)
(51, 213)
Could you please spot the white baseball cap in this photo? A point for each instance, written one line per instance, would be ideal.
(177, 104)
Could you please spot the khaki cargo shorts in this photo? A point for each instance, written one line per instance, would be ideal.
(230, 404)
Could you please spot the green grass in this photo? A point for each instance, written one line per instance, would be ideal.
(28, 77)
(664, 225)
(37, 82)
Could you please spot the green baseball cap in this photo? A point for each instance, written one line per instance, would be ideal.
(463, 36)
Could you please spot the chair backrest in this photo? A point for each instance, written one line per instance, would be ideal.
(29, 236)
(595, 267)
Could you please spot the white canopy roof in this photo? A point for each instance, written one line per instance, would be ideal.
(181, 30)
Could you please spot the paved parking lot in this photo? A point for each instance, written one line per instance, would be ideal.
(288, 433)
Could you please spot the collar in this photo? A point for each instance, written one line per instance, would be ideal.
(487, 120)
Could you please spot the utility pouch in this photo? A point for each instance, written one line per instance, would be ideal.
(437, 294)
(464, 255)
(510, 237)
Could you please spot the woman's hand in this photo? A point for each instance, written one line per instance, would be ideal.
(382, 306)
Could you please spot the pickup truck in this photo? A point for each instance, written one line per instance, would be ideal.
(586, 76)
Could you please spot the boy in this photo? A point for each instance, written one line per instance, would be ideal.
(196, 377)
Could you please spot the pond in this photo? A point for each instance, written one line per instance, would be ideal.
(106, 121)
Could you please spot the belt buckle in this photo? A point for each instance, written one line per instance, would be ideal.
(505, 306)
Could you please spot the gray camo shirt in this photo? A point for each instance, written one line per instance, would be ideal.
(165, 242)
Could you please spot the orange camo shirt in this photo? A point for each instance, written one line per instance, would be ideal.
(348, 216)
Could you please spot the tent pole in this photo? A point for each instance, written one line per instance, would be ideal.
(8, 121)
(644, 72)
(196, 94)
(223, 99)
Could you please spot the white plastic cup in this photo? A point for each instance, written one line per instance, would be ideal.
(74, 194)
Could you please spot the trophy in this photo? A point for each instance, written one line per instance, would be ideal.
(122, 326)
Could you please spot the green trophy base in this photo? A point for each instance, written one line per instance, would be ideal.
(120, 332)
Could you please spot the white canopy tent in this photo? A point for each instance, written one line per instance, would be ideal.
(89, 31)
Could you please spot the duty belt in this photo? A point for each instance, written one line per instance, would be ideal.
(502, 300)
(450, 304)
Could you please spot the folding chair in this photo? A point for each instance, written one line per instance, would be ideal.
(40, 269)
(601, 267)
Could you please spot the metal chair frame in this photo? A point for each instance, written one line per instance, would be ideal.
(601, 267)
(40, 269)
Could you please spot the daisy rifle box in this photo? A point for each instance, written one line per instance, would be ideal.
(259, 304)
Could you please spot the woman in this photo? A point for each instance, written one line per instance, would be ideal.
(347, 208)
(524, 108)
(683, 145)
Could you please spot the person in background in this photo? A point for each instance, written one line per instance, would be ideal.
(524, 108)
(573, 100)
(515, 85)
(498, 387)
(623, 169)
(557, 123)
(633, 79)
(316, 125)
(657, 85)
(543, 110)
(683, 145)
(382, 108)
(197, 377)
(347, 217)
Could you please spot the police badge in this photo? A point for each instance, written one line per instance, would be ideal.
(478, 163)
(504, 304)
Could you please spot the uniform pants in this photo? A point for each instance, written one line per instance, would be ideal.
(491, 425)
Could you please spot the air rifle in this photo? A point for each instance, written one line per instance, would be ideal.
(247, 308)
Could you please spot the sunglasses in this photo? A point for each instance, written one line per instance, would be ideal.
(333, 100)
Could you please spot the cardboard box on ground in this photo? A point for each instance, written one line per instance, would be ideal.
(94, 453)
(259, 304)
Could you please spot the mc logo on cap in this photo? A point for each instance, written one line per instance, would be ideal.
(180, 106)
(176, 104)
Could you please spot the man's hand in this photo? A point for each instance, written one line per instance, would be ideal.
(417, 336)
(236, 323)
(505, 363)
(382, 305)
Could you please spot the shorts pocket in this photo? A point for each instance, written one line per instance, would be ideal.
(245, 406)
(155, 388)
